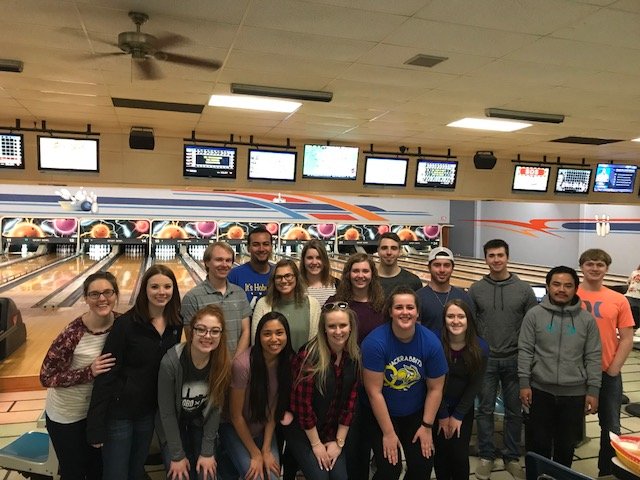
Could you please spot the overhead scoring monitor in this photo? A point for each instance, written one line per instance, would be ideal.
(615, 178)
(11, 150)
(209, 161)
(436, 173)
(531, 178)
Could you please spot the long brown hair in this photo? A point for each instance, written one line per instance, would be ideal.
(171, 312)
(344, 292)
(472, 353)
(219, 358)
(273, 296)
(325, 275)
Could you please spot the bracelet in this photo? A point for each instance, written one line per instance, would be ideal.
(340, 442)
(316, 444)
(427, 425)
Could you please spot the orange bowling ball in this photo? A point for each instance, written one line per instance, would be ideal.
(235, 233)
(406, 235)
(351, 234)
(26, 230)
(172, 231)
(100, 231)
(298, 233)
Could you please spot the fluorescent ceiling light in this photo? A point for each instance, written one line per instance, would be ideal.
(526, 116)
(487, 124)
(280, 92)
(636, 139)
(249, 102)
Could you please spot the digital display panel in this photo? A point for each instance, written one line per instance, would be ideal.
(209, 161)
(530, 178)
(573, 180)
(116, 231)
(272, 165)
(11, 150)
(358, 234)
(436, 173)
(615, 178)
(418, 235)
(40, 230)
(183, 231)
(296, 233)
(385, 171)
(330, 161)
(75, 154)
(236, 233)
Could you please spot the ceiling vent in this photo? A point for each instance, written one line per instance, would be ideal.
(426, 61)
(586, 140)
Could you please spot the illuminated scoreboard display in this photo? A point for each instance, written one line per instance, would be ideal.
(209, 161)
(528, 178)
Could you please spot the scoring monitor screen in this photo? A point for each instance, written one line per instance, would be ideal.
(11, 150)
(272, 165)
(573, 180)
(385, 171)
(528, 178)
(330, 161)
(77, 154)
(209, 161)
(612, 178)
(436, 173)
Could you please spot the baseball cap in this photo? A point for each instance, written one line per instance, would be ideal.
(442, 253)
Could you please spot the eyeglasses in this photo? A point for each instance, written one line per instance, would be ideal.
(106, 293)
(203, 331)
(335, 306)
(287, 277)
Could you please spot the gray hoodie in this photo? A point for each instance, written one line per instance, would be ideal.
(559, 350)
(500, 308)
(170, 406)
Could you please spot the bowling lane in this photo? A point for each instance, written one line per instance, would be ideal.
(30, 291)
(183, 277)
(126, 270)
(29, 264)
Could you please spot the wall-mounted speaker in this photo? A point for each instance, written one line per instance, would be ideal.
(141, 139)
(484, 160)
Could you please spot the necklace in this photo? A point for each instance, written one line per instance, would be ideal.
(435, 294)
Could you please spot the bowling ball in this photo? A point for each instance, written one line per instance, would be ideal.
(326, 229)
(142, 226)
(382, 229)
(406, 235)
(65, 226)
(297, 233)
(26, 230)
(272, 228)
(431, 231)
(100, 231)
(86, 206)
(235, 233)
(206, 229)
(351, 234)
(172, 231)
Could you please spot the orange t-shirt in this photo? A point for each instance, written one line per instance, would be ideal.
(611, 311)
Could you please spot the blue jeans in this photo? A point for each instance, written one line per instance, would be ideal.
(609, 405)
(126, 447)
(504, 371)
(236, 453)
(191, 438)
(298, 444)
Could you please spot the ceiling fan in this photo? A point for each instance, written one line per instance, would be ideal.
(145, 49)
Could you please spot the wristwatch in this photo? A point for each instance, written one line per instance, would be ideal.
(340, 442)
(427, 425)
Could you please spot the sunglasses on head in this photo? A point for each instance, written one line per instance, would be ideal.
(335, 306)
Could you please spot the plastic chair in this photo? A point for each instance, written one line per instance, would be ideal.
(31, 453)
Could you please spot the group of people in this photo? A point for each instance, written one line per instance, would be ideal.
(284, 368)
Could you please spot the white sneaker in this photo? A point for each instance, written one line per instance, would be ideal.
(484, 468)
(514, 468)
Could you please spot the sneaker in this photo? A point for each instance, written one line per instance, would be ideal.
(514, 468)
(483, 469)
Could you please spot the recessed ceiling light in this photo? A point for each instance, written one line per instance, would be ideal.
(249, 102)
(489, 124)
(636, 139)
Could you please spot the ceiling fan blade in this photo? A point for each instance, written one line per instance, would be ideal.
(188, 60)
(170, 40)
(148, 68)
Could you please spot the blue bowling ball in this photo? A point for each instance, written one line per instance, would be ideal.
(86, 206)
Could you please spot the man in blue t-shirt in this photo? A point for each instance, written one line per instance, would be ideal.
(435, 295)
(253, 276)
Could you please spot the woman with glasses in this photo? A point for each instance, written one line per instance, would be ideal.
(286, 294)
(360, 288)
(466, 355)
(125, 399)
(69, 368)
(404, 371)
(258, 398)
(316, 271)
(192, 385)
(325, 377)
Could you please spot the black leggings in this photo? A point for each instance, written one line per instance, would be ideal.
(418, 467)
(78, 460)
(452, 456)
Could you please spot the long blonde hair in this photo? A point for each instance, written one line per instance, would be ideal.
(317, 360)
